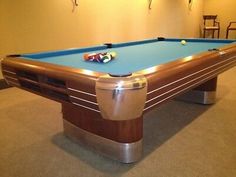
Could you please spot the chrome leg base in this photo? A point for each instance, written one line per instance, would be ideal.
(123, 152)
(197, 96)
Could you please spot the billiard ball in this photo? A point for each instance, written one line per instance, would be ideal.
(183, 42)
(113, 54)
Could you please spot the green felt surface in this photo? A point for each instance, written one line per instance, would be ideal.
(133, 58)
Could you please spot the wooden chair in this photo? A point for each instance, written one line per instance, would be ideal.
(229, 28)
(210, 24)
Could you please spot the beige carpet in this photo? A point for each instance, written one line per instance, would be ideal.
(180, 139)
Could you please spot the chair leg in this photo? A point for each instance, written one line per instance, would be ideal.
(227, 34)
(218, 33)
(204, 33)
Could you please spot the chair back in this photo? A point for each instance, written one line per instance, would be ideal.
(209, 19)
(210, 24)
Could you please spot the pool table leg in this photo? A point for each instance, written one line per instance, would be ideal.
(203, 94)
(120, 140)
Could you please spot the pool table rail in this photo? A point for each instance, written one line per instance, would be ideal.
(176, 78)
(51, 81)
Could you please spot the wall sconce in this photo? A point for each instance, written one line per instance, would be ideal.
(190, 3)
(76, 3)
(150, 4)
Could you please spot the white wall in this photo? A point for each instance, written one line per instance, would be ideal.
(28, 26)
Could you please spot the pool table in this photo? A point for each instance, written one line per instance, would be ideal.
(103, 103)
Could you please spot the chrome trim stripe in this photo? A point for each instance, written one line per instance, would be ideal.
(13, 83)
(190, 75)
(9, 77)
(123, 152)
(9, 72)
(77, 98)
(184, 84)
(79, 91)
(205, 79)
(85, 107)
